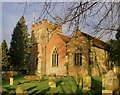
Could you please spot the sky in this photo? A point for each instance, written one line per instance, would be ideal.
(11, 13)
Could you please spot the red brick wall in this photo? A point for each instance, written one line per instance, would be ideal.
(57, 42)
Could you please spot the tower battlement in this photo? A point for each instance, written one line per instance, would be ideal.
(48, 25)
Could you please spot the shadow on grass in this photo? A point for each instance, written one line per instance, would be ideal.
(43, 92)
(58, 82)
(96, 87)
(31, 88)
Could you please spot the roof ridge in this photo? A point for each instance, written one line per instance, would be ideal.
(64, 37)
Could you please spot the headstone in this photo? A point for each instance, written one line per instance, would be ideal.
(52, 82)
(105, 92)
(11, 81)
(19, 91)
(111, 82)
(81, 82)
(86, 82)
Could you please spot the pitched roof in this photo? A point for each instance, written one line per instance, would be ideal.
(64, 38)
(96, 42)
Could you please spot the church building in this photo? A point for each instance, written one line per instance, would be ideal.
(54, 53)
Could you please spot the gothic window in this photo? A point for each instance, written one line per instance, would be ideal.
(55, 58)
(78, 57)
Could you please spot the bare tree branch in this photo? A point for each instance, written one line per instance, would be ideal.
(100, 16)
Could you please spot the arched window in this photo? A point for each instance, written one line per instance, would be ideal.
(78, 57)
(55, 58)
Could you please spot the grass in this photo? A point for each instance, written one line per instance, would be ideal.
(64, 85)
(4, 83)
(8, 89)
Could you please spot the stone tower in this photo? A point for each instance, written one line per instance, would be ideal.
(41, 33)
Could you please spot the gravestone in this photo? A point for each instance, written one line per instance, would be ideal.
(11, 81)
(105, 92)
(20, 91)
(51, 81)
(86, 82)
(81, 82)
(110, 81)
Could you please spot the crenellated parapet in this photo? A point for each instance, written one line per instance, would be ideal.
(48, 25)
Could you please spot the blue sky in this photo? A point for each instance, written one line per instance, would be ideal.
(12, 11)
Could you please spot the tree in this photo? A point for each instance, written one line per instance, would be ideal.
(19, 50)
(115, 49)
(5, 56)
(101, 17)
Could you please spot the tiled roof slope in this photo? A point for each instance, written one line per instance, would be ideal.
(96, 42)
(66, 39)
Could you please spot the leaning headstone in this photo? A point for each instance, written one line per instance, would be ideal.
(19, 91)
(111, 81)
(86, 83)
(51, 82)
(11, 81)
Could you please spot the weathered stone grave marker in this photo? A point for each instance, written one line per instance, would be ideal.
(86, 83)
(81, 82)
(51, 81)
(110, 83)
(20, 91)
(11, 81)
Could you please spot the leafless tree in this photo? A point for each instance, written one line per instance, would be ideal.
(102, 17)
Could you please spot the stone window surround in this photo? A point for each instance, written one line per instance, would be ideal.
(58, 57)
(77, 52)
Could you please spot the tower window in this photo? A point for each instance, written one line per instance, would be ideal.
(55, 58)
(78, 57)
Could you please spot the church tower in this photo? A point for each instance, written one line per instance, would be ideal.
(40, 35)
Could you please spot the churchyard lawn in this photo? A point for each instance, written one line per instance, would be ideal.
(63, 85)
